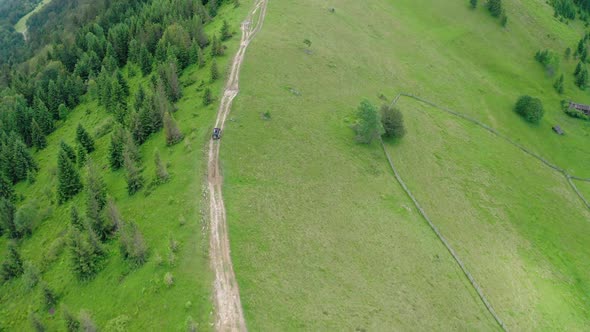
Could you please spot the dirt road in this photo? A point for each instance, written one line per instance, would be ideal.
(228, 307)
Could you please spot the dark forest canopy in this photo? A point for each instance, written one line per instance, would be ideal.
(85, 44)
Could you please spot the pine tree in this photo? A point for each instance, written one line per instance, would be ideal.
(84, 139)
(131, 149)
(582, 78)
(68, 150)
(225, 31)
(171, 130)
(116, 148)
(53, 99)
(76, 219)
(69, 183)
(214, 71)
(38, 136)
(96, 199)
(200, 58)
(12, 267)
(216, 47)
(207, 98)
(85, 257)
(162, 175)
(6, 189)
(145, 61)
(134, 178)
(7, 213)
(558, 85)
(132, 244)
(22, 162)
(43, 116)
(81, 155)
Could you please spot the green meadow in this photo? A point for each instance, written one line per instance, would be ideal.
(322, 235)
(121, 297)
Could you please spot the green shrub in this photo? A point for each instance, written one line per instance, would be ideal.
(392, 121)
(576, 114)
(531, 109)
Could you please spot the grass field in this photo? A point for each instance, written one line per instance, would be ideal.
(322, 235)
(138, 296)
(584, 188)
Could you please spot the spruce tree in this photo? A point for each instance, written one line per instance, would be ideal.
(96, 199)
(81, 155)
(69, 151)
(6, 189)
(134, 178)
(207, 98)
(145, 61)
(171, 130)
(84, 139)
(38, 136)
(225, 31)
(162, 175)
(7, 214)
(200, 58)
(69, 183)
(214, 71)
(116, 148)
(84, 257)
(12, 267)
(76, 219)
(132, 244)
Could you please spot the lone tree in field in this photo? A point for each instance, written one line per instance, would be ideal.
(173, 134)
(85, 254)
(49, 297)
(69, 183)
(132, 244)
(307, 42)
(392, 121)
(368, 126)
(12, 267)
(473, 3)
(531, 109)
(84, 139)
(495, 7)
(214, 71)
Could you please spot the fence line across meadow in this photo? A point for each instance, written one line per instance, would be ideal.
(435, 229)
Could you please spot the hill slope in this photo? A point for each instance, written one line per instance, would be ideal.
(322, 234)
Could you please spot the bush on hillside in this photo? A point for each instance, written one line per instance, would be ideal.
(473, 3)
(576, 114)
(368, 126)
(392, 121)
(531, 109)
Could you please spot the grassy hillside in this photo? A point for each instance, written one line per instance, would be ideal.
(135, 298)
(322, 235)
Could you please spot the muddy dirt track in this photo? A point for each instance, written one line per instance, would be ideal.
(228, 307)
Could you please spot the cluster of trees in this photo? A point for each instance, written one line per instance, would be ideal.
(372, 123)
(531, 109)
(495, 9)
(89, 42)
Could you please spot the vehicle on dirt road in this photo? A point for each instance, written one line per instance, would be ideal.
(216, 133)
